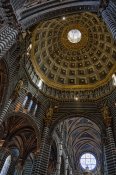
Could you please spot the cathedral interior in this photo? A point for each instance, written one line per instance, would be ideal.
(57, 87)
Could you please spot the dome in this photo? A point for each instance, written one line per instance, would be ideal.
(85, 61)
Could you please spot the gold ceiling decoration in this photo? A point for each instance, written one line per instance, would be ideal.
(65, 65)
(74, 46)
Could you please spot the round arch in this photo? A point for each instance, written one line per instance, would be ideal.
(31, 121)
(98, 121)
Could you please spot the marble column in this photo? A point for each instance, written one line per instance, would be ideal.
(5, 110)
(59, 158)
(8, 37)
(70, 172)
(28, 167)
(66, 166)
(5, 154)
(42, 160)
(110, 21)
(13, 97)
(12, 166)
(110, 148)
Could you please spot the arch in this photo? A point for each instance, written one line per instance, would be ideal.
(31, 121)
(96, 119)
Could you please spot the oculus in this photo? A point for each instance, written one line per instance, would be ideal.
(74, 36)
(88, 160)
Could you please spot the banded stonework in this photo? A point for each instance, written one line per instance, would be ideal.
(57, 99)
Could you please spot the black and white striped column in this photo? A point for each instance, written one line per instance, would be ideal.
(5, 111)
(28, 167)
(110, 21)
(12, 167)
(110, 152)
(41, 163)
(8, 37)
(6, 153)
(59, 158)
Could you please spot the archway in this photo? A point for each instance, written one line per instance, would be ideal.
(19, 134)
(81, 136)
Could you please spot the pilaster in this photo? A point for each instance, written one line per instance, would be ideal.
(8, 37)
(108, 17)
(14, 96)
(109, 144)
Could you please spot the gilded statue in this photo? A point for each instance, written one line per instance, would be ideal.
(106, 115)
(105, 112)
(17, 89)
(49, 115)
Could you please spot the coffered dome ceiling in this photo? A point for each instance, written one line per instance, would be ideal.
(84, 62)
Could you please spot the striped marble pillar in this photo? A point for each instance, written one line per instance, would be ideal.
(28, 167)
(41, 162)
(4, 156)
(12, 167)
(19, 168)
(59, 158)
(8, 37)
(70, 172)
(110, 21)
(13, 97)
(110, 148)
(66, 166)
(5, 111)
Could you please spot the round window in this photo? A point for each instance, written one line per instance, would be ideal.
(88, 160)
(74, 36)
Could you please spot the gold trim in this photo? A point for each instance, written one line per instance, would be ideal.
(74, 46)
(67, 86)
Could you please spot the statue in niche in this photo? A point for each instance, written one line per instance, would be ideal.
(106, 115)
(49, 114)
(105, 111)
(17, 89)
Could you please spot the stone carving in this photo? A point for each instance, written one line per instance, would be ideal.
(49, 115)
(106, 115)
(17, 89)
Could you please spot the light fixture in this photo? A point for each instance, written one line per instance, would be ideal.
(76, 98)
(63, 18)
(114, 79)
(30, 46)
(40, 84)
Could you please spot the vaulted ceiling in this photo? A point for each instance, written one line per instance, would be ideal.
(64, 65)
(81, 135)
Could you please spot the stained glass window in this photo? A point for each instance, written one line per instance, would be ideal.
(88, 160)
